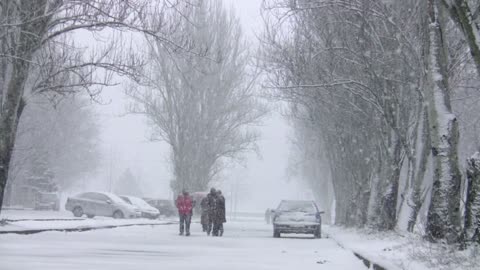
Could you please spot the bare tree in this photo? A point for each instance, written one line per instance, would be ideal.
(357, 76)
(202, 104)
(35, 34)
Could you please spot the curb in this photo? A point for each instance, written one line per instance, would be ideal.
(43, 219)
(367, 262)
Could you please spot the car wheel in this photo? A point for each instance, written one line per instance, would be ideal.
(118, 214)
(77, 211)
(318, 232)
(276, 234)
(90, 216)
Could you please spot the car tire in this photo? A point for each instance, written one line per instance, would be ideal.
(90, 216)
(276, 234)
(318, 232)
(118, 214)
(77, 211)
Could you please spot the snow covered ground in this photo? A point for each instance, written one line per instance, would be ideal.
(246, 245)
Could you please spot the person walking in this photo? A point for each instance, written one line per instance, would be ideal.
(212, 206)
(268, 216)
(185, 205)
(204, 218)
(220, 214)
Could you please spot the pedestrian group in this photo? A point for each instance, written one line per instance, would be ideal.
(212, 212)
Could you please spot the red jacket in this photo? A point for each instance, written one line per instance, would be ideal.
(184, 204)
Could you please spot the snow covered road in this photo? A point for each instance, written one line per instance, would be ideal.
(246, 245)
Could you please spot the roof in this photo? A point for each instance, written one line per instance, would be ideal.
(299, 201)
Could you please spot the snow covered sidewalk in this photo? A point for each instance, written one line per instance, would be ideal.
(29, 222)
(36, 215)
(393, 251)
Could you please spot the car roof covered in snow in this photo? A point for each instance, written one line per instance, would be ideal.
(298, 201)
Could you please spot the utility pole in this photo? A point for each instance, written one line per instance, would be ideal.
(110, 189)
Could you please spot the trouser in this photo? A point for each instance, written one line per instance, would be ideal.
(185, 220)
(211, 225)
(217, 229)
(205, 221)
(220, 229)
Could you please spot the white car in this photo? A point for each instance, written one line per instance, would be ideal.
(101, 204)
(297, 217)
(146, 209)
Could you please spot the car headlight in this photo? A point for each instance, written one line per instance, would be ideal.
(276, 217)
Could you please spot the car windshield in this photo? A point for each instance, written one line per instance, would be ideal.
(297, 206)
(114, 198)
(126, 199)
(139, 202)
(49, 196)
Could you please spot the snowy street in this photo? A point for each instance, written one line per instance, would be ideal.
(246, 245)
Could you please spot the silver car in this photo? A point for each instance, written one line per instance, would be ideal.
(297, 217)
(100, 204)
(147, 211)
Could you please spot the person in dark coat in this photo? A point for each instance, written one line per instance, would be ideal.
(220, 214)
(185, 206)
(212, 205)
(204, 218)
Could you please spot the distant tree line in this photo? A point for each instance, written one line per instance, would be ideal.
(61, 138)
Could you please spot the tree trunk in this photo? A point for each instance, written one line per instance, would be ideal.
(10, 114)
(417, 196)
(472, 204)
(30, 35)
(389, 199)
(444, 211)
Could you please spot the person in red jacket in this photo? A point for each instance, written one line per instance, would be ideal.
(185, 205)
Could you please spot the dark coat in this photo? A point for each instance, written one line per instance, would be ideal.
(212, 203)
(204, 218)
(220, 211)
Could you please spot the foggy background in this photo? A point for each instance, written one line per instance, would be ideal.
(259, 182)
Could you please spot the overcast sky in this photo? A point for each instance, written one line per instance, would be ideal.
(125, 144)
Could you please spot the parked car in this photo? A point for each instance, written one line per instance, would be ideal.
(165, 207)
(33, 197)
(48, 201)
(146, 209)
(100, 204)
(297, 217)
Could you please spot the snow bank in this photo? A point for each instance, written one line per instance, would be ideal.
(28, 222)
(36, 226)
(393, 251)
